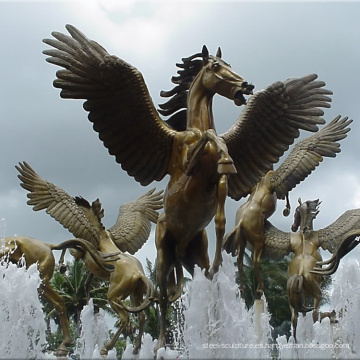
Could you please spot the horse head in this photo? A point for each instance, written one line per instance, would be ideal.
(305, 214)
(218, 77)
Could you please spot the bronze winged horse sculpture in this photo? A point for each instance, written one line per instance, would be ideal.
(35, 251)
(276, 184)
(203, 167)
(303, 284)
(129, 234)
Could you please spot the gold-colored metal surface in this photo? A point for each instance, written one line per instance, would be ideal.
(129, 233)
(38, 252)
(203, 167)
(303, 283)
(276, 184)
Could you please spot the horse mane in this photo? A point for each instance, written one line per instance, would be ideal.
(95, 208)
(312, 207)
(176, 106)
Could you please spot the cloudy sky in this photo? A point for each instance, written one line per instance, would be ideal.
(263, 41)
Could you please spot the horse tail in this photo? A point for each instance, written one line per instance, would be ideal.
(147, 301)
(101, 260)
(296, 296)
(230, 243)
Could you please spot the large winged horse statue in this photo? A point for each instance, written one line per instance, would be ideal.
(129, 234)
(276, 184)
(303, 279)
(203, 167)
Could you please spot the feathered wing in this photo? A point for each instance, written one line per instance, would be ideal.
(133, 224)
(44, 195)
(332, 235)
(277, 242)
(307, 155)
(268, 125)
(118, 103)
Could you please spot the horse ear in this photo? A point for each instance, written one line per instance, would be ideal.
(205, 53)
(218, 53)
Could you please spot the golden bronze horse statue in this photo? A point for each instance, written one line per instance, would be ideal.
(35, 251)
(276, 184)
(130, 232)
(303, 286)
(204, 168)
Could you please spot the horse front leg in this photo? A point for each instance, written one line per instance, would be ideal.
(124, 321)
(163, 265)
(225, 163)
(220, 221)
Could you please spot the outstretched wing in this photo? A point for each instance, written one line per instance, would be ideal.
(307, 155)
(57, 203)
(118, 103)
(332, 235)
(269, 124)
(277, 242)
(133, 224)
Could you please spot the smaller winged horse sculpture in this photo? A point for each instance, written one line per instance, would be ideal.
(203, 167)
(276, 184)
(129, 234)
(303, 285)
(35, 251)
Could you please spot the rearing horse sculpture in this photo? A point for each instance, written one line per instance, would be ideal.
(129, 233)
(303, 286)
(276, 184)
(204, 168)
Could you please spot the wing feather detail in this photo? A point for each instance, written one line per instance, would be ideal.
(133, 225)
(331, 236)
(118, 102)
(307, 155)
(270, 122)
(43, 195)
(277, 242)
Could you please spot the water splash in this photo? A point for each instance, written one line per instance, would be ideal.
(216, 323)
(94, 334)
(326, 340)
(22, 324)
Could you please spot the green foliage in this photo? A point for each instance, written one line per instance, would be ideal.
(71, 287)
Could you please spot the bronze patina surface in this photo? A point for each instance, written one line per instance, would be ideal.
(203, 167)
(129, 233)
(276, 184)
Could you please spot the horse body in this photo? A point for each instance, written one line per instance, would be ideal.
(302, 283)
(249, 229)
(127, 279)
(36, 251)
(197, 189)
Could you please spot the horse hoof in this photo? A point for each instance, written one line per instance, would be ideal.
(61, 352)
(103, 352)
(258, 295)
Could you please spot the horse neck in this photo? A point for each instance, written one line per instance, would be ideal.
(106, 245)
(199, 105)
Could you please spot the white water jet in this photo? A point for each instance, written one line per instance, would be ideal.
(22, 324)
(94, 334)
(325, 340)
(216, 323)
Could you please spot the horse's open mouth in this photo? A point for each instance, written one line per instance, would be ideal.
(246, 89)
